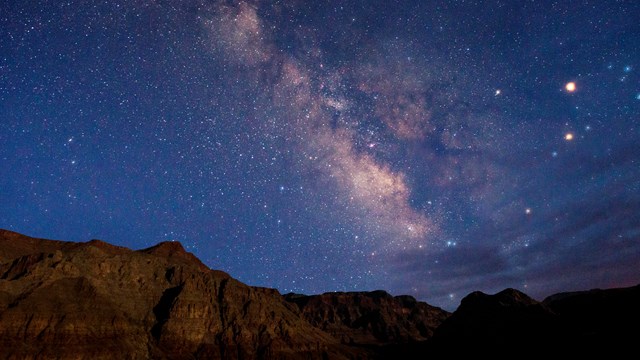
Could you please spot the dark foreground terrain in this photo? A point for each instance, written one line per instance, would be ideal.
(94, 300)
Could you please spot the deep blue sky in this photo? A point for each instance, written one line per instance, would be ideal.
(423, 147)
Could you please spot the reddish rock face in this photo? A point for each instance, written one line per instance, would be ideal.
(94, 300)
(369, 318)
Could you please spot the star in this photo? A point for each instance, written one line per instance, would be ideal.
(570, 86)
(568, 136)
(498, 92)
(527, 211)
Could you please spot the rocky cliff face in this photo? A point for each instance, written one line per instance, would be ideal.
(370, 317)
(94, 300)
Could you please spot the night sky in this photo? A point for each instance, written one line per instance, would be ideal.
(429, 148)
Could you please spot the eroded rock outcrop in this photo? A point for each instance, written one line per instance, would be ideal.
(94, 300)
(370, 317)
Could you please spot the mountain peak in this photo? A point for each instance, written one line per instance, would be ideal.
(513, 296)
(165, 248)
(507, 297)
(174, 251)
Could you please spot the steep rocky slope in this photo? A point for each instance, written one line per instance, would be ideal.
(370, 317)
(94, 300)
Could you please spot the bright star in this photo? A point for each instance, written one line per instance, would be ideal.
(570, 87)
(568, 136)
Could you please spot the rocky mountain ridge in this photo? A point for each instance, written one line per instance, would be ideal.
(67, 300)
(370, 318)
(93, 300)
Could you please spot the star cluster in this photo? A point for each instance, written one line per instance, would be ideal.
(428, 148)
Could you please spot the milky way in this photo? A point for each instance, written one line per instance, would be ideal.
(425, 148)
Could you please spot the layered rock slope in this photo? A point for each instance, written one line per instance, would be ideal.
(369, 318)
(94, 300)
